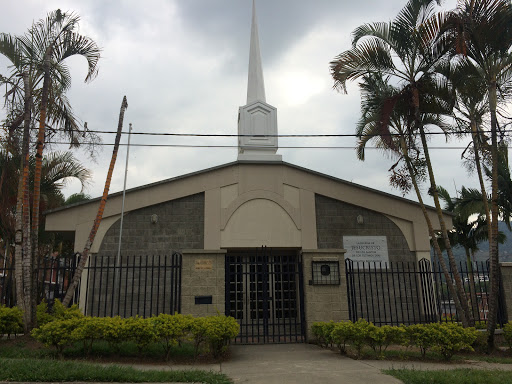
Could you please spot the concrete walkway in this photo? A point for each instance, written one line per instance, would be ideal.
(298, 363)
(306, 363)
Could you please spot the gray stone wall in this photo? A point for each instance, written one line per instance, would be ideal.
(506, 276)
(324, 302)
(389, 295)
(180, 225)
(146, 283)
(203, 275)
(335, 219)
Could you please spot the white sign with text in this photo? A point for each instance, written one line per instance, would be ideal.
(366, 248)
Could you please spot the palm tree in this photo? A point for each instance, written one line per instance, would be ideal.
(97, 221)
(468, 231)
(408, 52)
(40, 57)
(58, 168)
(481, 32)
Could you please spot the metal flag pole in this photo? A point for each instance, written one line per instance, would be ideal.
(118, 259)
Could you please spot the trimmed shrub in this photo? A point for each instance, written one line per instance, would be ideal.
(322, 331)
(507, 333)
(141, 331)
(114, 331)
(451, 338)
(171, 330)
(219, 330)
(58, 333)
(380, 338)
(58, 311)
(421, 336)
(11, 321)
(342, 333)
(88, 330)
(361, 335)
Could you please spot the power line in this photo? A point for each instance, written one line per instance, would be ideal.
(234, 146)
(142, 133)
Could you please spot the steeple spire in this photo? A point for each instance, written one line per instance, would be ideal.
(257, 120)
(256, 84)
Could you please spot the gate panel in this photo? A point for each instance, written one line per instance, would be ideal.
(264, 293)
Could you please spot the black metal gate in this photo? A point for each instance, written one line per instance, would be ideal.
(264, 292)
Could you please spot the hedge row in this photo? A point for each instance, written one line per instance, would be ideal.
(507, 333)
(446, 338)
(66, 326)
(11, 321)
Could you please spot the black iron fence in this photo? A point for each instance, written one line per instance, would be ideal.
(136, 285)
(52, 277)
(409, 293)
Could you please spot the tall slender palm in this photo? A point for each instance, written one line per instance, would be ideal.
(97, 221)
(407, 50)
(468, 231)
(40, 57)
(481, 31)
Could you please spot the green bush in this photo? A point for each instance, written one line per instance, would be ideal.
(88, 330)
(452, 338)
(114, 331)
(421, 336)
(171, 330)
(322, 332)
(507, 333)
(214, 332)
(58, 333)
(58, 311)
(446, 338)
(219, 330)
(342, 333)
(380, 338)
(141, 331)
(361, 335)
(11, 321)
(43, 316)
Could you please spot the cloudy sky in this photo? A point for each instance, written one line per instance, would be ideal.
(183, 66)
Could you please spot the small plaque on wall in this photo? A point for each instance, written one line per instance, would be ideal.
(366, 248)
(204, 264)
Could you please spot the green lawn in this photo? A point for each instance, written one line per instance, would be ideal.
(456, 376)
(45, 370)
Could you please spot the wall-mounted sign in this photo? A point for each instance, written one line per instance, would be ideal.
(366, 248)
(203, 264)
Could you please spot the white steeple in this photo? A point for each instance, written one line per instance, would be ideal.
(257, 120)
(255, 83)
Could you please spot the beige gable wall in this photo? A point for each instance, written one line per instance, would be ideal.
(275, 202)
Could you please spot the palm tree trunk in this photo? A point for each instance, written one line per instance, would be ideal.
(437, 249)
(466, 315)
(85, 254)
(493, 240)
(22, 242)
(31, 284)
(472, 290)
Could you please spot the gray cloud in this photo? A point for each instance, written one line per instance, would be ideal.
(183, 66)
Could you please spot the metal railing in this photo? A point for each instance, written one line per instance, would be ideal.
(410, 293)
(139, 285)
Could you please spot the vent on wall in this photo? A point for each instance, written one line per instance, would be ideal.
(325, 272)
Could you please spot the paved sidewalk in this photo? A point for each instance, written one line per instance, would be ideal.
(306, 363)
(298, 363)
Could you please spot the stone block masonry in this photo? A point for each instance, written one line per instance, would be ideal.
(335, 219)
(147, 241)
(324, 302)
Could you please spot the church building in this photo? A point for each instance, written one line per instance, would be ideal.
(258, 239)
